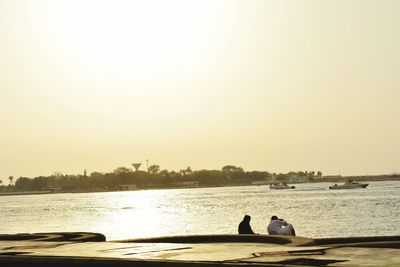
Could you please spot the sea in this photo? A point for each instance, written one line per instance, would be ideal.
(313, 210)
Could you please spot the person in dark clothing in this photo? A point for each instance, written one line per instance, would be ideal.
(244, 226)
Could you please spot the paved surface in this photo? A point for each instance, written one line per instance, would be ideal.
(264, 251)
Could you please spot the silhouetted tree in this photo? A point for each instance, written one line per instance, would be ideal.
(231, 168)
(165, 177)
(188, 171)
(122, 170)
(24, 183)
(228, 175)
(185, 172)
(154, 169)
(210, 178)
(281, 177)
(233, 173)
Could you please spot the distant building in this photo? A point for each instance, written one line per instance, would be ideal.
(332, 176)
(297, 179)
(128, 187)
(54, 189)
(187, 184)
(262, 182)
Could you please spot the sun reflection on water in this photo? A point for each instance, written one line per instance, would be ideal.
(313, 210)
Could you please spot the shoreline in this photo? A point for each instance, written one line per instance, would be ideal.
(43, 192)
(26, 193)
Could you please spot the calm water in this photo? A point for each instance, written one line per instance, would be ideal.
(314, 210)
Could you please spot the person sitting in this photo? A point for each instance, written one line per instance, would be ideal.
(280, 227)
(244, 226)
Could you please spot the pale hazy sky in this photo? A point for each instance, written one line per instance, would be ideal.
(265, 85)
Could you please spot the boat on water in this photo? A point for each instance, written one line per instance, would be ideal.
(281, 185)
(349, 185)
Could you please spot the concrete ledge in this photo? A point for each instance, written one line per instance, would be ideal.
(38, 261)
(55, 237)
(371, 241)
(42, 249)
(271, 239)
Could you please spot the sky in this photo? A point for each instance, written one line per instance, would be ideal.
(275, 86)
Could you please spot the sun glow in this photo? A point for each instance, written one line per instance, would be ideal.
(205, 83)
(140, 37)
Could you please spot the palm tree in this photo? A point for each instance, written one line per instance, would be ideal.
(11, 178)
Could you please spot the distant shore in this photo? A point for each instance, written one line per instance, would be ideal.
(332, 179)
(25, 193)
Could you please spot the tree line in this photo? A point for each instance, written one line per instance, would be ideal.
(119, 178)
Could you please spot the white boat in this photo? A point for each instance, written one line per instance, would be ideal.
(349, 185)
(281, 185)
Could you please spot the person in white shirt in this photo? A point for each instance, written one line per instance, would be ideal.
(280, 227)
